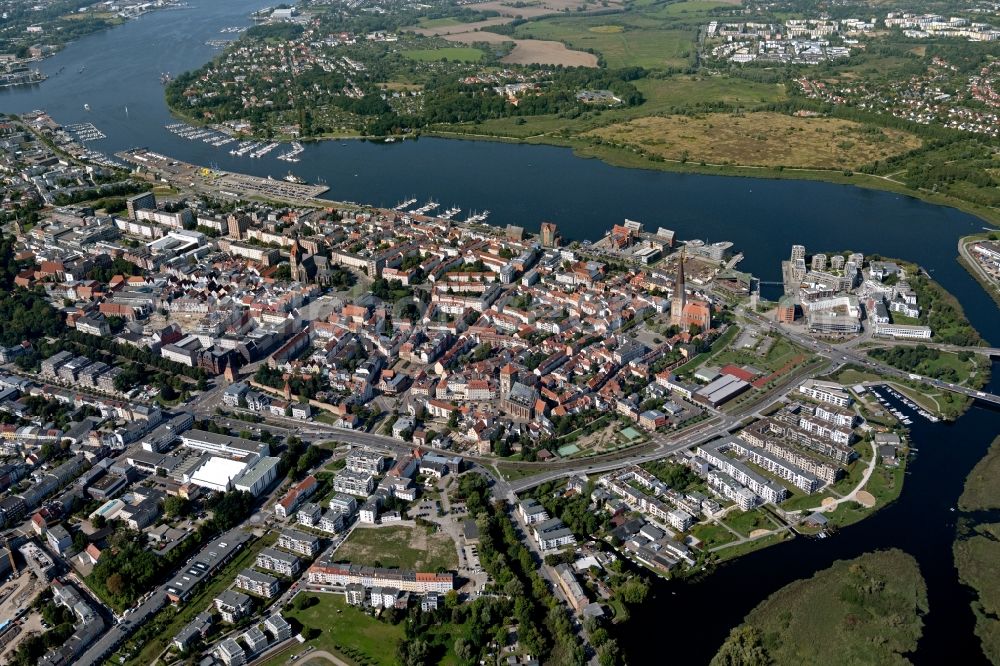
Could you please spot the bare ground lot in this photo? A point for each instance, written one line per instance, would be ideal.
(526, 51)
(761, 139)
(402, 546)
(529, 51)
(463, 28)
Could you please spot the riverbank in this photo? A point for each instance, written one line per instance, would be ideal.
(968, 262)
(632, 160)
(977, 547)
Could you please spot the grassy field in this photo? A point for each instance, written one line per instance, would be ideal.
(982, 488)
(676, 91)
(712, 535)
(862, 611)
(439, 23)
(798, 501)
(746, 522)
(741, 549)
(452, 53)
(345, 631)
(780, 353)
(662, 95)
(950, 366)
(638, 43)
(761, 139)
(400, 546)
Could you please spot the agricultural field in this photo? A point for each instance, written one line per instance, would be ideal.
(761, 139)
(865, 610)
(452, 53)
(621, 45)
(400, 546)
(528, 51)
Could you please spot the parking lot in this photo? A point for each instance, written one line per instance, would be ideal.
(16, 595)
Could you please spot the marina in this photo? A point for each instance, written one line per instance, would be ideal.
(85, 132)
(293, 154)
(209, 136)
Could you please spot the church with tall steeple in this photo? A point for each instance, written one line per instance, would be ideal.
(307, 267)
(685, 313)
(679, 299)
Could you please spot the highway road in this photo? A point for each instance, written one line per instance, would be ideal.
(843, 354)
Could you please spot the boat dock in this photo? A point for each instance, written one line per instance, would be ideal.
(216, 182)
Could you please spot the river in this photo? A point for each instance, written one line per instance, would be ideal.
(695, 618)
(525, 185)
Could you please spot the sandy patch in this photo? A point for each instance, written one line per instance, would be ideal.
(757, 533)
(530, 51)
(828, 502)
(865, 499)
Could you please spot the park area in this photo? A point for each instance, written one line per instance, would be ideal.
(761, 139)
(400, 546)
(342, 630)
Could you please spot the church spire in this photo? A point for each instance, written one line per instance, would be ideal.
(679, 299)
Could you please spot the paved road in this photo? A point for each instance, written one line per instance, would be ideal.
(114, 637)
(845, 355)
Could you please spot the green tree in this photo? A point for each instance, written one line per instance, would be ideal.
(743, 647)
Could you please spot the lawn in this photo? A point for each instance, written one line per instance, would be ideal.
(718, 346)
(851, 375)
(511, 473)
(400, 546)
(799, 501)
(780, 353)
(886, 483)
(862, 611)
(452, 53)
(741, 549)
(346, 631)
(761, 139)
(746, 522)
(854, 473)
(712, 535)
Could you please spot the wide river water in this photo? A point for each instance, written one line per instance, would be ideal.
(525, 185)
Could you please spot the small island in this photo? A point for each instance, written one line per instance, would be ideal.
(977, 547)
(862, 611)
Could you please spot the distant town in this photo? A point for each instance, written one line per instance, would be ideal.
(222, 417)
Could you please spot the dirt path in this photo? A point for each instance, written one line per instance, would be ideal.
(316, 658)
